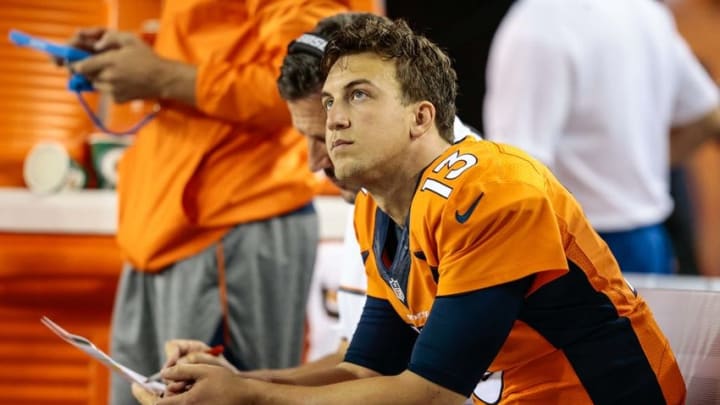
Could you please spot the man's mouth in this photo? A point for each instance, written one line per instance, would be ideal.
(339, 143)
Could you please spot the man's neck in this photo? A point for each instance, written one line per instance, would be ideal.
(396, 201)
(395, 192)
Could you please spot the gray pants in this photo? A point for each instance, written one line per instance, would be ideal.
(268, 268)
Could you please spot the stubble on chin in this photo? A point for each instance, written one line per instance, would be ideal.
(349, 176)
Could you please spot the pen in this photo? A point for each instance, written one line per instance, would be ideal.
(215, 351)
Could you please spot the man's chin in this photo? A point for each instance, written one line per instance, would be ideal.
(348, 194)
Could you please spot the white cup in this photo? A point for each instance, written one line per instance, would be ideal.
(48, 168)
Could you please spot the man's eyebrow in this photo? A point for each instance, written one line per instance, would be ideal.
(349, 85)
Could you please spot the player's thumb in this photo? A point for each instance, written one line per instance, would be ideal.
(183, 372)
(115, 40)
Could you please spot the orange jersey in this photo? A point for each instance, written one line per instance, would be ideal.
(486, 214)
(192, 174)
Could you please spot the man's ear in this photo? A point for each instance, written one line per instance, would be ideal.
(424, 118)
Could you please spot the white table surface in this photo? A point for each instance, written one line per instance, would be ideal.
(95, 212)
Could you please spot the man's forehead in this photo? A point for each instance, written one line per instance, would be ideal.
(362, 66)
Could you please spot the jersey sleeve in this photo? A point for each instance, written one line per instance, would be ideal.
(243, 90)
(528, 96)
(454, 352)
(383, 342)
(492, 233)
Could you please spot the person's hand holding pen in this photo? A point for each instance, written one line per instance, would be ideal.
(179, 351)
(182, 351)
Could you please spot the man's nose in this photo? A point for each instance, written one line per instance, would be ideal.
(337, 118)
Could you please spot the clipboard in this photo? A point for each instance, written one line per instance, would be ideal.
(89, 348)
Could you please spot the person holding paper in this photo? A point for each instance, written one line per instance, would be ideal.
(477, 258)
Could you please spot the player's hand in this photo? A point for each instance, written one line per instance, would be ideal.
(209, 385)
(178, 348)
(206, 358)
(126, 67)
(185, 351)
(85, 39)
(143, 396)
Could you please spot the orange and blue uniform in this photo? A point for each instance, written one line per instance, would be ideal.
(498, 270)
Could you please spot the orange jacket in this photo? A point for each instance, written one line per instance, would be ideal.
(192, 174)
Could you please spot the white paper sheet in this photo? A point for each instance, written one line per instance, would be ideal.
(88, 347)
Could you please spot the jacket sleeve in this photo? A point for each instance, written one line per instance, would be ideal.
(243, 89)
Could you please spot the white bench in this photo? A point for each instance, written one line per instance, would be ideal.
(688, 311)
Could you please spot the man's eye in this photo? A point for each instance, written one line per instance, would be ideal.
(358, 95)
(328, 104)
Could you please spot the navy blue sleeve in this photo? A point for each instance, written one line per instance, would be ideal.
(464, 333)
(382, 341)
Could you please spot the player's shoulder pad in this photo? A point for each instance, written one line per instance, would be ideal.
(477, 166)
(463, 162)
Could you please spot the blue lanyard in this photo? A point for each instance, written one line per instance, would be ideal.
(99, 124)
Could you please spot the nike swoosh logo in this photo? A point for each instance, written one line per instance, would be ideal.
(489, 389)
(462, 218)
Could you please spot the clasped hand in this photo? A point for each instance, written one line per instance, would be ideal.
(194, 377)
(125, 66)
(199, 384)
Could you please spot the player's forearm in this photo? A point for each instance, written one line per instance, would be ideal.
(406, 388)
(685, 140)
(307, 373)
(316, 374)
(311, 373)
(321, 364)
(176, 81)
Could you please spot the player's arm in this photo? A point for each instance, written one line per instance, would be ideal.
(181, 351)
(294, 375)
(696, 117)
(696, 112)
(381, 345)
(316, 372)
(247, 92)
(462, 336)
(218, 86)
(443, 368)
(464, 333)
(685, 139)
(127, 68)
(217, 386)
